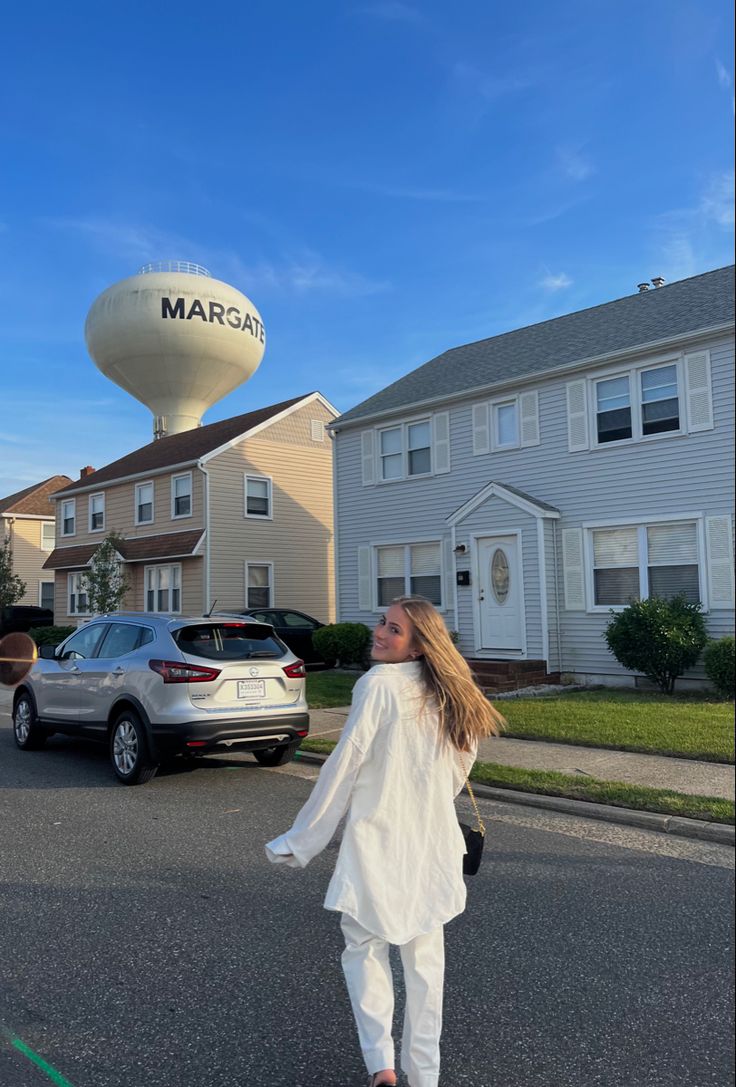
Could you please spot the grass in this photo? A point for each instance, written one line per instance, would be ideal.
(689, 726)
(618, 794)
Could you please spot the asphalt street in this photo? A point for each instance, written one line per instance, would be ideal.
(145, 941)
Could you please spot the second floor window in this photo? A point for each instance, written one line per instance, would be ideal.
(48, 535)
(405, 451)
(144, 503)
(613, 409)
(96, 512)
(68, 517)
(181, 495)
(660, 404)
(258, 496)
(637, 405)
(506, 425)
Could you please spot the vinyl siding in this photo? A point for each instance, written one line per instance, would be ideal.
(298, 540)
(681, 474)
(28, 556)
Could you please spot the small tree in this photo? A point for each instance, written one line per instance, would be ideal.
(659, 638)
(12, 587)
(105, 582)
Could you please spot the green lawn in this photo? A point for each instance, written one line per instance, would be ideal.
(691, 726)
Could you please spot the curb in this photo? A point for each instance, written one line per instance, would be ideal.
(720, 833)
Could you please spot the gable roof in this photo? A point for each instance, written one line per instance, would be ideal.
(167, 545)
(34, 500)
(687, 306)
(184, 448)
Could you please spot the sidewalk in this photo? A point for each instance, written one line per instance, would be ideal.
(656, 771)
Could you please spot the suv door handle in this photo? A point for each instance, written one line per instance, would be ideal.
(118, 671)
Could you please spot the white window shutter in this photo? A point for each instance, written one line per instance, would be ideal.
(441, 442)
(577, 416)
(572, 569)
(481, 431)
(697, 391)
(529, 417)
(719, 546)
(448, 574)
(365, 579)
(367, 440)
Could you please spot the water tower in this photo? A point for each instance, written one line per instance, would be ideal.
(175, 339)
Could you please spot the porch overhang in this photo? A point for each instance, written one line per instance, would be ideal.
(508, 494)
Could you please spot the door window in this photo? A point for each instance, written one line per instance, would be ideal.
(83, 644)
(122, 638)
(500, 579)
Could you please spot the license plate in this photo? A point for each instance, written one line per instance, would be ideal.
(251, 688)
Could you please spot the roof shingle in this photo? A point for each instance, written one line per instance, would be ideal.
(34, 500)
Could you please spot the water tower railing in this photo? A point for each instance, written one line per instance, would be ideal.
(184, 266)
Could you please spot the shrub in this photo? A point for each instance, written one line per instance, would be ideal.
(346, 642)
(719, 660)
(50, 635)
(659, 638)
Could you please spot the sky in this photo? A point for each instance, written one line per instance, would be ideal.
(384, 180)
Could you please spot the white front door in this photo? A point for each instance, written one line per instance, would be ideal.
(500, 603)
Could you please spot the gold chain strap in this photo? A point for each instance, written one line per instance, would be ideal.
(469, 787)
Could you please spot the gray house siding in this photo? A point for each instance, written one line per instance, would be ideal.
(684, 474)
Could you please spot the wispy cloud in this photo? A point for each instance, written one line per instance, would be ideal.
(305, 273)
(409, 192)
(689, 240)
(392, 11)
(718, 199)
(574, 164)
(489, 88)
(725, 81)
(557, 282)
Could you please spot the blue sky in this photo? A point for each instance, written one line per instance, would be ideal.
(384, 180)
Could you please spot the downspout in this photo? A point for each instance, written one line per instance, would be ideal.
(453, 543)
(335, 538)
(207, 545)
(557, 597)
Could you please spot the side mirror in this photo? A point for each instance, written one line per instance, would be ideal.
(48, 652)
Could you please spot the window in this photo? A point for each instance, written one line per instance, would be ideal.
(391, 455)
(122, 638)
(163, 588)
(258, 496)
(419, 448)
(405, 450)
(408, 568)
(82, 645)
(144, 503)
(660, 405)
(48, 535)
(258, 584)
(634, 562)
(506, 425)
(77, 595)
(613, 409)
(46, 595)
(68, 517)
(96, 512)
(181, 495)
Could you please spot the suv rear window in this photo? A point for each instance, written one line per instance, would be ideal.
(229, 641)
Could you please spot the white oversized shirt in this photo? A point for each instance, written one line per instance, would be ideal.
(399, 869)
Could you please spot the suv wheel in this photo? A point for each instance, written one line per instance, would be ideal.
(277, 756)
(27, 732)
(129, 753)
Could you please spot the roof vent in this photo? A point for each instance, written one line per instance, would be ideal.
(643, 287)
(658, 281)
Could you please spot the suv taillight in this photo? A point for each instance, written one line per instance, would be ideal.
(179, 672)
(295, 670)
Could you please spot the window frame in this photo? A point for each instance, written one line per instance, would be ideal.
(493, 406)
(445, 602)
(73, 503)
(258, 478)
(144, 483)
(91, 512)
(179, 516)
(634, 375)
(171, 567)
(75, 575)
(52, 526)
(403, 429)
(41, 583)
(271, 590)
(589, 527)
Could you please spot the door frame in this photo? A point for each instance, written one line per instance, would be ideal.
(480, 650)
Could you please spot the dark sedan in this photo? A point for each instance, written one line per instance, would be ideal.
(295, 628)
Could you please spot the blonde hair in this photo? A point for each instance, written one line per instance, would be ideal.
(466, 715)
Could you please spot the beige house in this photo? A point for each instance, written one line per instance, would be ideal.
(238, 512)
(27, 520)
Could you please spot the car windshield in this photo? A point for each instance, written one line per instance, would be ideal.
(229, 641)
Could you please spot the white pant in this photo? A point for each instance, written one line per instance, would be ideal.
(365, 962)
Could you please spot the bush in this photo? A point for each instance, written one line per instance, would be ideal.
(719, 660)
(50, 635)
(659, 638)
(345, 642)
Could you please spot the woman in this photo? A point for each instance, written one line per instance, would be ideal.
(407, 746)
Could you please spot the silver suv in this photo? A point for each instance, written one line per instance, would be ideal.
(150, 685)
